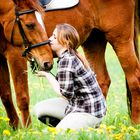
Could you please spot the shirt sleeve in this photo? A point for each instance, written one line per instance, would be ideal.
(65, 79)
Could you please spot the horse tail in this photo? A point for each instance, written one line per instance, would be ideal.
(135, 39)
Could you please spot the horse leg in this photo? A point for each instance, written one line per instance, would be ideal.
(130, 64)
(5, 93)
(94, 49)
(18, 67)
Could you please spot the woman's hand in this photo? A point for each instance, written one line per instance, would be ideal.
(41, 73)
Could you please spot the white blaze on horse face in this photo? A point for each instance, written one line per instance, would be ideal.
(39, 19)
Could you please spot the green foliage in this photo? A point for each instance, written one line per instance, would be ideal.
(115, 126)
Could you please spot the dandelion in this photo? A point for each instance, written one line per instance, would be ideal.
(109, 129)
(6, 132)
(123, 128)
(5, 119)
(125, 118)
(103, 126)
(118, 136)
(90, 129)
(132, 130)
(52, 130)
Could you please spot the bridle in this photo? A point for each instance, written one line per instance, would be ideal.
(27, 44)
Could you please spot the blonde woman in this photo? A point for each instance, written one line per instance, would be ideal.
(81, 103)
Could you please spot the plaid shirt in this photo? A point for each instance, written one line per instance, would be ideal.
(79, 86)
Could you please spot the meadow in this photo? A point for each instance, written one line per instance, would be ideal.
(115, 126)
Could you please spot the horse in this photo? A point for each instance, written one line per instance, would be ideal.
(20, 35)
(99, 22)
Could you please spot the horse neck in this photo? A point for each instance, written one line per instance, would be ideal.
(6, 6)
(6, 10)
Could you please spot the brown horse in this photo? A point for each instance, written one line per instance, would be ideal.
(99, 22)
(18, 25)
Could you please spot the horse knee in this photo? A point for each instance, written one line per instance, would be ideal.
(23, 102)
(134, 83)
(133, 78)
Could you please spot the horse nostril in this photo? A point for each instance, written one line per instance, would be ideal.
(47, 65)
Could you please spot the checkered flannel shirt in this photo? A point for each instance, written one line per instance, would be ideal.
(79, 86)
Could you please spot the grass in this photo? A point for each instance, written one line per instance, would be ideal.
(115, 126)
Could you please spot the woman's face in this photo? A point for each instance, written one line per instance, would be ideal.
(55, 45)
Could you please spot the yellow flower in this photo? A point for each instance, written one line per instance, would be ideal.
(125, 118)
(118, 136)
(103, 126)
(4, 119)
(6, 132)
(90, 129)
(52, 130)
(109, 129)
(132, 129)
(123, 128)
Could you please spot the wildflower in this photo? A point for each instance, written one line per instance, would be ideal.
(109, 129)
(132, 129)
(118, 136)
(52, 130)
(90, 129)
(125, 118)
(123, 128)
(4, 119)
(103, 126)
(6, 132)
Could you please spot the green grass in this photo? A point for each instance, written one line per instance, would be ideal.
(115, 126)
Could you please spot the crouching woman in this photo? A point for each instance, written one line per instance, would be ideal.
(81, 103)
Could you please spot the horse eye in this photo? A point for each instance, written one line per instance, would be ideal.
(30, 26)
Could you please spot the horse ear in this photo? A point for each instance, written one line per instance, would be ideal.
(16, 2)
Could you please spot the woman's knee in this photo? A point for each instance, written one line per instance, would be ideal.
(78, 120)
(54, 107)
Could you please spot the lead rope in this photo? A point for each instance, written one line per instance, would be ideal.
(52, 74)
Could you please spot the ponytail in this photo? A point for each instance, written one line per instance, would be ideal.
(81, 57)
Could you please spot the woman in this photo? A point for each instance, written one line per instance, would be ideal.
(82, 103)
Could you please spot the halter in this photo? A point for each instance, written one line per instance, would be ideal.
(28, 46)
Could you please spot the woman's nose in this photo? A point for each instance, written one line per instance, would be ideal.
(50, 41)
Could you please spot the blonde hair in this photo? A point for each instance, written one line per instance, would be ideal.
(68, 37)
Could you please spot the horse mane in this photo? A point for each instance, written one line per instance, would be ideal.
(35, 4)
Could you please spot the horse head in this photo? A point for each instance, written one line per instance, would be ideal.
(21, 28)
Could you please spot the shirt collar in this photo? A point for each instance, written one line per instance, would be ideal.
(62, 55)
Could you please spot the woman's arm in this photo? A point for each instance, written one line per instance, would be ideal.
(51, 79)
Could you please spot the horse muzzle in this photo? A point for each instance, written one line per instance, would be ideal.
(45, 66)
